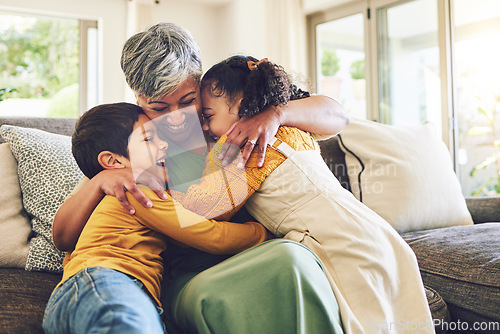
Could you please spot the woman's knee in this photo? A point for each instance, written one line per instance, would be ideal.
(265, 277)
(271, 260)
(288, 255)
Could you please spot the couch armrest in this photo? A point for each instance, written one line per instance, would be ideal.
(484, 209)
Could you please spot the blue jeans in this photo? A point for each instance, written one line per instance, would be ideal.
(101, 300)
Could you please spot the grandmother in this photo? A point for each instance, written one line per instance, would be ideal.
(276, 287)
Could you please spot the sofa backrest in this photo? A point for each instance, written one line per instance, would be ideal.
(330, 149)
(63, 126)
(335, 159)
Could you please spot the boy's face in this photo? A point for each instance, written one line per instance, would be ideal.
(179, 110)
(146, 151)
(218, 113)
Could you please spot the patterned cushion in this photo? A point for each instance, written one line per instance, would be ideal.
(47, 173)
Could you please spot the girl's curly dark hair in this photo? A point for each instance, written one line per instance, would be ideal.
(267, 85)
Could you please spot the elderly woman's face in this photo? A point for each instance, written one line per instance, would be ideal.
(177, 112)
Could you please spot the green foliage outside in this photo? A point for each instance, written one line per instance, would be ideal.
(4, 92)
(329, 62)
(491, 114)
(64, 103)
(38, 57)
(357, 69)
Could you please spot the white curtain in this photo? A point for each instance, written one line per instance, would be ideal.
(287, 36)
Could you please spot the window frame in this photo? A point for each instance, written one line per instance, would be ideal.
(85, 25)
(335, 13)
(372, 26)
(446, 42)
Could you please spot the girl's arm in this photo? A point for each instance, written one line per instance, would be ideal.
(75, 211)
(317, 114)
(223, 190)
(218, 237)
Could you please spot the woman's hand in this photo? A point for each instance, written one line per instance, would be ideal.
(248, 132)
(73, 214)
(316, 114)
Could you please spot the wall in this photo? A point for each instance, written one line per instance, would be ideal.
(242, 28)
(264, 28)
(311, 6)
(221, 30)
(199, 19)
(111, 15)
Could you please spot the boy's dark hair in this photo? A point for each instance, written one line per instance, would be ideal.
(106, 127)
(264, 86)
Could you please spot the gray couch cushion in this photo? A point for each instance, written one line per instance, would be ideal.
(465, 272)
(439, 309)
(484, 209)
(23, 297)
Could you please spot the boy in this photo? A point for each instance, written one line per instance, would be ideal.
(111, 281)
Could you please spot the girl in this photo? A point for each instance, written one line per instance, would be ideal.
(372, 271)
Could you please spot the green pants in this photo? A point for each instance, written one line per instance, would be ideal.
(275, 287)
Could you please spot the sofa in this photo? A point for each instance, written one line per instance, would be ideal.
(459, 264)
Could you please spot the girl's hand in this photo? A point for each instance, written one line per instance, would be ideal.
(248, 132)
(118, 181)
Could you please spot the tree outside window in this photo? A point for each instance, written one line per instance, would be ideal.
(39, 66)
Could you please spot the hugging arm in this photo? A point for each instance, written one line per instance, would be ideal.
(222, 191)
(317, 114)
(73, 214)
(218, 237)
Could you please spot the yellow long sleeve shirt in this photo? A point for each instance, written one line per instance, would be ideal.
(132, 244)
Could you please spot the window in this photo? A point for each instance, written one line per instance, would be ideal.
(427, 60)
(476, 73)
(340, 59)
(48, 66)
(339, 49)
(408, 57)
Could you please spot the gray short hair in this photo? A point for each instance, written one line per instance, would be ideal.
(156, 61)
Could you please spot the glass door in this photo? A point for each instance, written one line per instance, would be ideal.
(424, 60)
(476, 83)
(408, 62)
(340, 47)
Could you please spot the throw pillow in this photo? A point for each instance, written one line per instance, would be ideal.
(14, 224)
(47, 174)
(405, 174)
